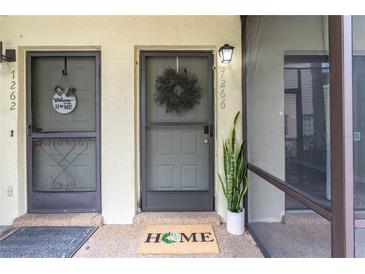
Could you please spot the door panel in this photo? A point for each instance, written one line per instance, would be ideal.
(64, 164)
(63, 149)
(177, 148)
(46, 72)
(177, 159)
(197, 65)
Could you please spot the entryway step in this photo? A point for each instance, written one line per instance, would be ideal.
(5, 230)
(177, 218)
(304, 218)
(60, 219)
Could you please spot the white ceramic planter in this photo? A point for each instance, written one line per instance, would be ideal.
(236, 222)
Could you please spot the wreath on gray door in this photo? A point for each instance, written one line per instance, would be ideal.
(177, 90)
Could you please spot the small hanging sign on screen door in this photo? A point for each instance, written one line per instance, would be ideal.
(64, 101)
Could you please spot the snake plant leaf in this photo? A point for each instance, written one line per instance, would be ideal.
(223, 187)
(233, 135)
(225, 159)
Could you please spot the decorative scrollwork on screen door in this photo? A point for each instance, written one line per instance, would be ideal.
(63, 152)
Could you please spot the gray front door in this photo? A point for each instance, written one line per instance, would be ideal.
(63, 132)
(177, 146)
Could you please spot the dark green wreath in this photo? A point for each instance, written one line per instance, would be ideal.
(177, 90)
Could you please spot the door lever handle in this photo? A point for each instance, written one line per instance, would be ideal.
(29, 129)
(208, 129)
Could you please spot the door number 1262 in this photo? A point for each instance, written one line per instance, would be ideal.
(12, 96)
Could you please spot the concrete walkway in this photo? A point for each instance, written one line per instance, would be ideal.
(122, 241)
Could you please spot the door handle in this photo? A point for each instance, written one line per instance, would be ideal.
(29, 130)
(208, 129)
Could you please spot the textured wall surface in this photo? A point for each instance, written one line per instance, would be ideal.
(119, 38)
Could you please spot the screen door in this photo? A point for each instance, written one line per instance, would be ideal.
(63, 131)
(177, 138)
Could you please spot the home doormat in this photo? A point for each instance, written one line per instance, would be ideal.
(45, 241)
(178, 240)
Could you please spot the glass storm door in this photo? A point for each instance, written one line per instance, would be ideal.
(177, 131)
(63, 132)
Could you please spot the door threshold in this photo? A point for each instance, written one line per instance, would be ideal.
(196, 217)
(59, 219)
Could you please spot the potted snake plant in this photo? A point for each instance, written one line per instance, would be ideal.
(234, 181)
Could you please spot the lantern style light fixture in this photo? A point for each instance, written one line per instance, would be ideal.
(225, 53)
(10, 56)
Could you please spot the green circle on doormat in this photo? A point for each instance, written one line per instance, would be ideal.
(170, 237)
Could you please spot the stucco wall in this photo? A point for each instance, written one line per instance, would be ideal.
(119, 38)
(270, 38)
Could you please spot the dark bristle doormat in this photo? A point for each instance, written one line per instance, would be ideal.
(45, 241)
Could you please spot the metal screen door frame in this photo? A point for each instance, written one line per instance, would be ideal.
(78, 201)
(202, 200)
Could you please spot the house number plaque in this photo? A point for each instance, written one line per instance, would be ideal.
(63, 103)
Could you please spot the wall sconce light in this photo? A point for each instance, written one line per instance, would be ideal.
(10, 56)
(225, 53)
